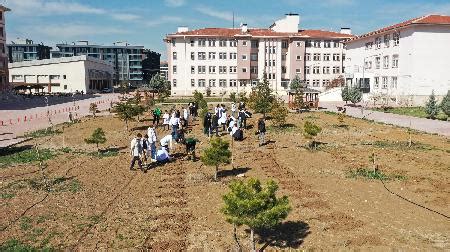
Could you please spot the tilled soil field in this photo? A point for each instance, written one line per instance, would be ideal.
(98, 203)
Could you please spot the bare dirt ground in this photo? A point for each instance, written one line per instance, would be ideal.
(98, 203)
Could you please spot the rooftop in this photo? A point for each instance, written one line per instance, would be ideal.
(429, 19)
(56, 61)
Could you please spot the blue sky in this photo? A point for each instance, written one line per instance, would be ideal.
(145, 22)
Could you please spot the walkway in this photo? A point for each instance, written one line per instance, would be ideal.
(15, 122)
(426, 125)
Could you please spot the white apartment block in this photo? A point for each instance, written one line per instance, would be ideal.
(402, 63)
(234, 60)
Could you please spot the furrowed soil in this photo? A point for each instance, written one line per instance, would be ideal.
(98, 203)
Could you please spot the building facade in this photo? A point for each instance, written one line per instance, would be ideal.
(164, 70)
(126, 59)
(62, 75)
(25, 49)
(234, 60)
(403, 63)
(4, 84)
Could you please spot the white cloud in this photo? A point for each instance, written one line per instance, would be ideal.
(71, 31)
(164, 20)
(125, 17)
(45, 8)
(227, 15)
(175, 3)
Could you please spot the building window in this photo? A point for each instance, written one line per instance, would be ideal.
(233, 56)
(377, 62)
(255, 43)
(212, 83)
(192, 43)
(201, 56)
(307, 70)
(326, 57)
(299, 57)
(327, 44)
(297, 71)
(387, 39)
(174, 69)
(174, 43)
(283, 57)
(202, 42)
(298, 44)
(368, 65)
(283, 69)
(212, 42)
(369, 45)
(336, 57)
(244, 43)
(223, 55)
(396, 38)
(65, 87)
(244, 56)
(395, 61)
(386, 62)
(222, 83)
(233, 43)
(336, 70)
(233, 69)
(233, 83)
(316, 83)
(308, 43)
(64, 77)
(192, 69)
(254, 70)
(201, 82)
(377, 82)
(316, 70)
(317, 43)
(212, 69)
(222, 43)
(244, 69)
(253, 56)
(201, 69)
(378, 42)
(192, 82)
(336, 44)
(326, 70)
(211, 55)
(192, 56)
(222, 69)
(307, 56)
(174, 56)
(385, 83)
(316, 57)
(394, 82)
(174, 82)
(284, 44)
(307, 83)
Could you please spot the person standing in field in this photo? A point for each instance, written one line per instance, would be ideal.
(166, 118)
(186, 117)
(152, 138)
(156, 116)
(262, 131)
(135, 151)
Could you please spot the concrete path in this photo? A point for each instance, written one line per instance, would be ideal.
(15, 123)
(426, 125)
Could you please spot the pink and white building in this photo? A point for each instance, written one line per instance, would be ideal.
(233, 60)
(402, 63)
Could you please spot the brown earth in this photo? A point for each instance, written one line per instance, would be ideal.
(177, 206)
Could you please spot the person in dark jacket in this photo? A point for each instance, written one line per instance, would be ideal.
(207, 124)
(262, 131)
(215, 125)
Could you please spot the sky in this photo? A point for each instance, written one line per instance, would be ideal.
(146, 22)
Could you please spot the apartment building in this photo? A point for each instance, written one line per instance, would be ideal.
(25, 50)
(234, 60)
(127, 59)
(164, 70)
(4, 84)
(401, 63)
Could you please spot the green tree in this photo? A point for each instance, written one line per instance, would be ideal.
(243, 97)
(218, 153)
(127, 111)
(262, 97)
(355, 95)
(251, 204)
(431, 106)
(93, 108)
(97, 137)
(137, 97)
(311, 130)
(297, 86)
(345, 94)
(279, 113)
(161, 86)
(296, 83)
(233, 97)
(445, 104)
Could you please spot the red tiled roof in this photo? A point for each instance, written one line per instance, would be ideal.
(430, 19)
(258, 32)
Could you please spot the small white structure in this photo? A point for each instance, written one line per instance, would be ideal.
(62, 75)
(403, 63)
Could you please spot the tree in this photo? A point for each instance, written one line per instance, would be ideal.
(297, 86)
(355, 95)
(243, 97)
(345, 94)
(251, 204)
(93, 109)
(218, 153)
(233, 97)
(97, 137)
(208, 91)
(310, 131)
(279, 113)
(445, 104)
(431, 107)
(338, 82)
(262, 97)
(296, 83)
(161, 86)
(137, 97)
(127, 111)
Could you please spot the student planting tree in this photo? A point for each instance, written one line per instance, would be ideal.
(311, 130)
(251, 204)
(431, 106)
(97, 137)
(445, 105)
(218, 153)
(262, 98)
(93, 109)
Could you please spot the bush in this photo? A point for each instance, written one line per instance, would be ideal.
(233, 97)
(345, 94)
(218, 153)
(355, 95)
(445, 104)
(279, 113)
(431, 107)
(310, 131)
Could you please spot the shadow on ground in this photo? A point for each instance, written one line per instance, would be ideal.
(290, 234)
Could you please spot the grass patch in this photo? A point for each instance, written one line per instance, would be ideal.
(43, 133)
(14, 245)
(104, 154)
(25, 223)
(402, 145)
(12, 156)
(330, 113)
(7, 196)
(411, 111)
(312, 117)
(371, 174)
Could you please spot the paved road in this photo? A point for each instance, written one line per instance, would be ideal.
(422, 124)
(16, 122)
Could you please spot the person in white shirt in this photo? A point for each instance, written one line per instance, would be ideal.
(162, 156)
(166, 142)
(223, 119)
(185, 116)
(152, 138)
(233, 129)
(135, 151)
(175, 123)
(166, 118)
(233, 109)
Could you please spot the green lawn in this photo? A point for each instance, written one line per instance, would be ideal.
(411, 111)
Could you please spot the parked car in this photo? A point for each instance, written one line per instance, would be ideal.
(107, 90)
